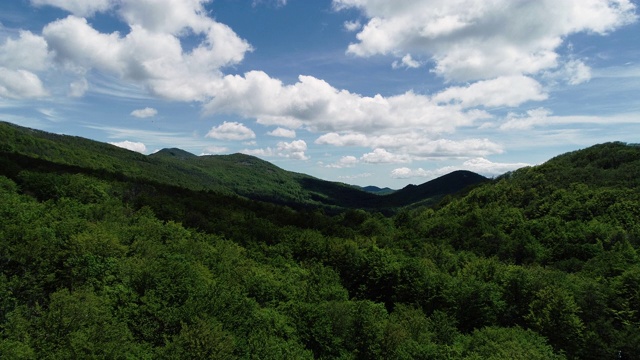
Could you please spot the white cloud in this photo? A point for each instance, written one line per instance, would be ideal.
(318, 106)
(489, 168)
(19, 84)
(471, 40)
(450, 148)
(282, 132)
(503, 91)
(414, 145)
(526, 121)
(478, 165)
(352, 25)
(144, 113)
(294, 150)
(19, 60)
(28, 52)
(212, 150)
(406, 173)
(78, 88)
(407, 61)
(151, 54)
(77, 7)
(259, 152)
(129, 145)
(231, 131)
(577, 72)
(348, 139)
(344, 162)
(166, 16)
(382, 156)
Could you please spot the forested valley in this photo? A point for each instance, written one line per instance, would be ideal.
(539, 263)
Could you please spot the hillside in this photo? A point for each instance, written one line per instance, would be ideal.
(541, 263)
(377, 190)
(237, 174)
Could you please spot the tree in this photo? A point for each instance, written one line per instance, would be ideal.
(554, 313)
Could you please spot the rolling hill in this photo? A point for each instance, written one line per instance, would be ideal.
(107, 253)
(238, 174)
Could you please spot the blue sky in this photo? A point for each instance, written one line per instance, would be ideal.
(367, 92)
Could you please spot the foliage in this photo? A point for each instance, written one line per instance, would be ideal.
(236, 174)
(101, 261)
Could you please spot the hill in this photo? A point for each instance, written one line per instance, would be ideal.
(173, 153)
(432, 191)
(108, 262)
(376, 190)
(239, 174)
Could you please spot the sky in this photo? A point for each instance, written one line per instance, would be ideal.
(365, 92)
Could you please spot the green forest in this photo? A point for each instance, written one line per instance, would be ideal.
(121, 256)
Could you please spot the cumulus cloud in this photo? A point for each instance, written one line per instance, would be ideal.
(477, 165)
(212, 150)
(151, 54)
(166, 16)
(407, 173)
(27, 52)
(144, 113)
(231, 131)
(503, 91)
(414, 144)
(282, 132)
(471, 40)
(382, 156)
(318, 106)
(130, 145)
(498, 47)
(77, 7)
(294, 150)
(20, 59)
(259, 152)
(344, 162)
(407, 61)
(352, 25)
(19, 84)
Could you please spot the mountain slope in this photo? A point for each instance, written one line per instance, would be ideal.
(436, 188)
(378, 191)
(541, 263)
(239, 174)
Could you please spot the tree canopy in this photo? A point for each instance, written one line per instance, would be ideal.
(540, 263)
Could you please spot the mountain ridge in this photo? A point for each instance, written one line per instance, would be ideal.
(240, 174)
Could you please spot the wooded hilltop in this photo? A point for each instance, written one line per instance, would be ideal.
(110, 254)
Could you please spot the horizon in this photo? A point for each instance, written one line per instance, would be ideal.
(342, 90)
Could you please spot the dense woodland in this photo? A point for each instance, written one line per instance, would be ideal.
(540, 263)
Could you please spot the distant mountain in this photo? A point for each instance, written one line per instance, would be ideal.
(238, 174)
(437, 188)
(378, 191)
(161, 252)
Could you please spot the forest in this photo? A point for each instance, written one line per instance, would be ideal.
(111, 263)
